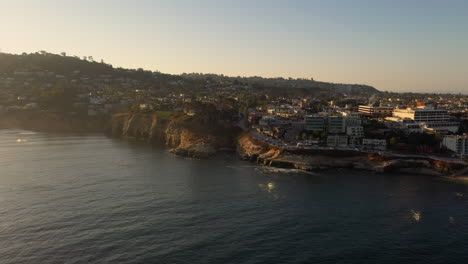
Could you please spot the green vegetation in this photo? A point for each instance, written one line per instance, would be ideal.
(312, 135)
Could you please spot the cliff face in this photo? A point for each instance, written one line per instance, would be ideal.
(262, 153)
(191, 136)
(311, 160)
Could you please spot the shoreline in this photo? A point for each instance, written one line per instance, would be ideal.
(265, 154)
(186, 143)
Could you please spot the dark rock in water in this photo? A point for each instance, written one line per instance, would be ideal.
(282, 164)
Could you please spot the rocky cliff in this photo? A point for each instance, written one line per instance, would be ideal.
(312, 160)
(192, 136)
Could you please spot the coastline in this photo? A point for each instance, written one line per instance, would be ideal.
(265, 154)
(186, 137)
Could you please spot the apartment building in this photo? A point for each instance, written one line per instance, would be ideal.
(457, 144)
(375, 111)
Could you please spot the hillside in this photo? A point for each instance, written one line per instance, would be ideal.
(72, 67)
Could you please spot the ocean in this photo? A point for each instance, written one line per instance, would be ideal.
(93, 199)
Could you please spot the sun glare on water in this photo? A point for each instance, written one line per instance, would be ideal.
(270, 186)
(416, 215)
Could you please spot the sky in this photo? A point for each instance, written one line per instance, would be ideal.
(402, 46)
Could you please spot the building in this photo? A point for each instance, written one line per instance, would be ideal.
(375, 144)
(272, 121)
(336, 124)
(355, 131)
(408, 126)
(254, 116)
(349, 114)
(315, 122)
(353, 121)
(423, 114)
(375, 111)
(299, 126)
(457, 144)
(354, 141)
(337, 141)
(431, 119)
(305, 143)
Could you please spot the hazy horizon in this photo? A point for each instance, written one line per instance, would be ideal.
(396, 46)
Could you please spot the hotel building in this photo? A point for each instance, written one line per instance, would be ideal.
(375, 111)
(429, 118)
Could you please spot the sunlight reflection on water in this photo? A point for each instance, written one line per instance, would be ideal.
(416, 215)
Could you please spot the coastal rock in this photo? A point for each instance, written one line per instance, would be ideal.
(309, 160)
(190, 136)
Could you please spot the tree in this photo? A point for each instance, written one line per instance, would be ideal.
(60, 97)
(63, 54)
(323, 135)
(393, 140)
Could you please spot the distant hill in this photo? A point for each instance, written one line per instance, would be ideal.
(86, 66)
(67, 65)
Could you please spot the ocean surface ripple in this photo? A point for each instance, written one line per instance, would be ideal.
(91, 199)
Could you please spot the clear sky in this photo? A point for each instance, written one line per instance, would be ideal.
(395, 45)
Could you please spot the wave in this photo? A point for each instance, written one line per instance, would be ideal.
(265, 169)
(14, 131)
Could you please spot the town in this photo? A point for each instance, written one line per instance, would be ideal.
(288, 113)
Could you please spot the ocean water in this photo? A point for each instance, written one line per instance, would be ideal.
(91, 199)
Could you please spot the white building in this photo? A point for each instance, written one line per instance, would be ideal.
(429, 118)
(407, 125)
(423, 114)
(457, 144)
(440, 126)
(304, 143)
(376, 144)
(337, 141)
(349, 114)
(375, 111)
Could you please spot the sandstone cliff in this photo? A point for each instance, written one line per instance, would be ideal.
(311, 160)
(192, 136)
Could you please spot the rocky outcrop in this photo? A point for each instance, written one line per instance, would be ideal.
(191, 136)
(311, 160)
